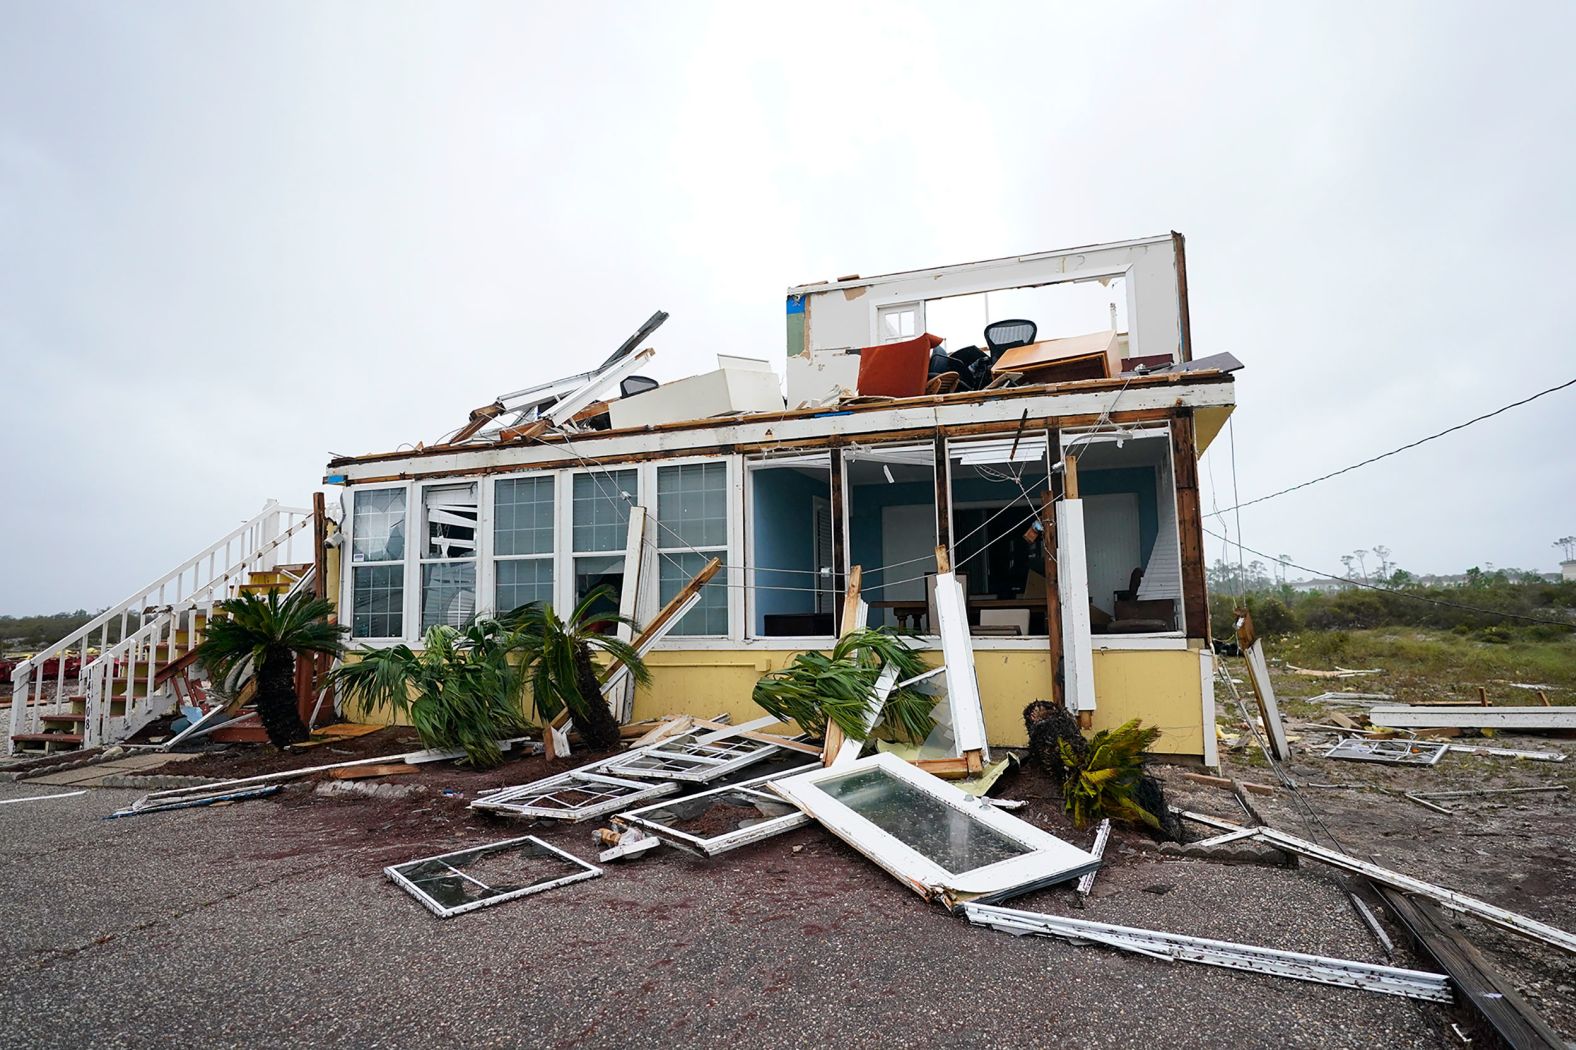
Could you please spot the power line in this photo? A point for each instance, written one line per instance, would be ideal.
(1399, 593)
(1403, 448)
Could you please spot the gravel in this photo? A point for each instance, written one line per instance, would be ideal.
(270, 923)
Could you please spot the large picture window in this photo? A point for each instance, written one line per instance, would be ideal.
(448, 555)
(377, 563)
(692, 528)
(792, 567)
(600, 530)
(522, 542)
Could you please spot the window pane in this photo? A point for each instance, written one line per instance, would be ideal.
(601, 509)
(591, 573)
(448, 593)
(450, 521)
(378, 600)
(692, 505)
(922, 822)
(711, 615)
(377, 530)
(524, 581)
(523, 516)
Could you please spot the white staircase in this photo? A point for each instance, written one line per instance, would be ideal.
(120, 687)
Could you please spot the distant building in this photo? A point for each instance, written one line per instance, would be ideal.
(1568, 570)
(1322, 585)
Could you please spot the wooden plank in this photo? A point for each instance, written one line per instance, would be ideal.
(392, 769)
(945, 768)
(811, 444)
(534, 429)
(1069, 477)
(1190, 526)
(835, 737)
(767, 738)
(1478, 983)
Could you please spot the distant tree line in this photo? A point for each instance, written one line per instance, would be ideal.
(33, 632)
(1278, 608)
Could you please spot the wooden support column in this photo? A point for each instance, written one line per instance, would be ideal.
(943, 492)
(310, 668)
(1053, 594)
(1190, 526)
(839, 541)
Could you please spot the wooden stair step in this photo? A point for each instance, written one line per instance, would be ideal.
(48, 738)
(69, 718)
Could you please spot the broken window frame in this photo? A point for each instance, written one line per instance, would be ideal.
(1072, 440)
(1045, 860)
(601, 488)
(887, 571)
(396, 565)
(426, 560)
(586, 778)
(699, 756)
(397, 875)
(827, 589)
(1017, 448)
(713, 845)
(1393, 752)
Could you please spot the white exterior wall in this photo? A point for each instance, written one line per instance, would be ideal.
(842, 314)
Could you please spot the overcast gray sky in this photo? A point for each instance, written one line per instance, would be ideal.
(237, 237)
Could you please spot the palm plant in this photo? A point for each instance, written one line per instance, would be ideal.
(817, 688)
(461, 691)
(262, 636)
(1107, 779)
(559, 663)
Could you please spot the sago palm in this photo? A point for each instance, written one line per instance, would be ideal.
(460, 691)
(262, 636)
(559, 664)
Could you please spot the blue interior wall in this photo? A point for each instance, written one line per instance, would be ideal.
(784, 525)
(1140, 481)
(865, 504)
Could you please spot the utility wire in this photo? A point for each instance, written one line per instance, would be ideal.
(1403, 448)
(1400, 593)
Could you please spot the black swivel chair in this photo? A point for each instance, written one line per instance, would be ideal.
(636, 385)
(1002, 336)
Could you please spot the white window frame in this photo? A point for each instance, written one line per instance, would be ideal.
(487, 577)
(665, 545)
(564, 584)
(347, 582)
(867, 453)
(418, 558)
(1070, 439)
(958, 445)
(1046, 859)
(751, 465)
(913, 306)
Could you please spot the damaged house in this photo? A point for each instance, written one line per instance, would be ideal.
(1034, 421)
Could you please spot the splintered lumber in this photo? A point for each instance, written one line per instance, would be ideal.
(766, 738)
(1501, 917)
(1484, 988)
(853, 620)
(1227, 784)
(1473, 716)
(391, 769)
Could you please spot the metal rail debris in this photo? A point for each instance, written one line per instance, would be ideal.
(1175, 947)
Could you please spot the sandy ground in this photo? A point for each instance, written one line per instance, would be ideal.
(270, 923)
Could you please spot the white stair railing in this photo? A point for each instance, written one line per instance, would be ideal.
(150, 624)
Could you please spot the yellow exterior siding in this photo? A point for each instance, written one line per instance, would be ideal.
(1162, 687)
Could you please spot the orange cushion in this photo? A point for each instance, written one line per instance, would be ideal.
(896, 369)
